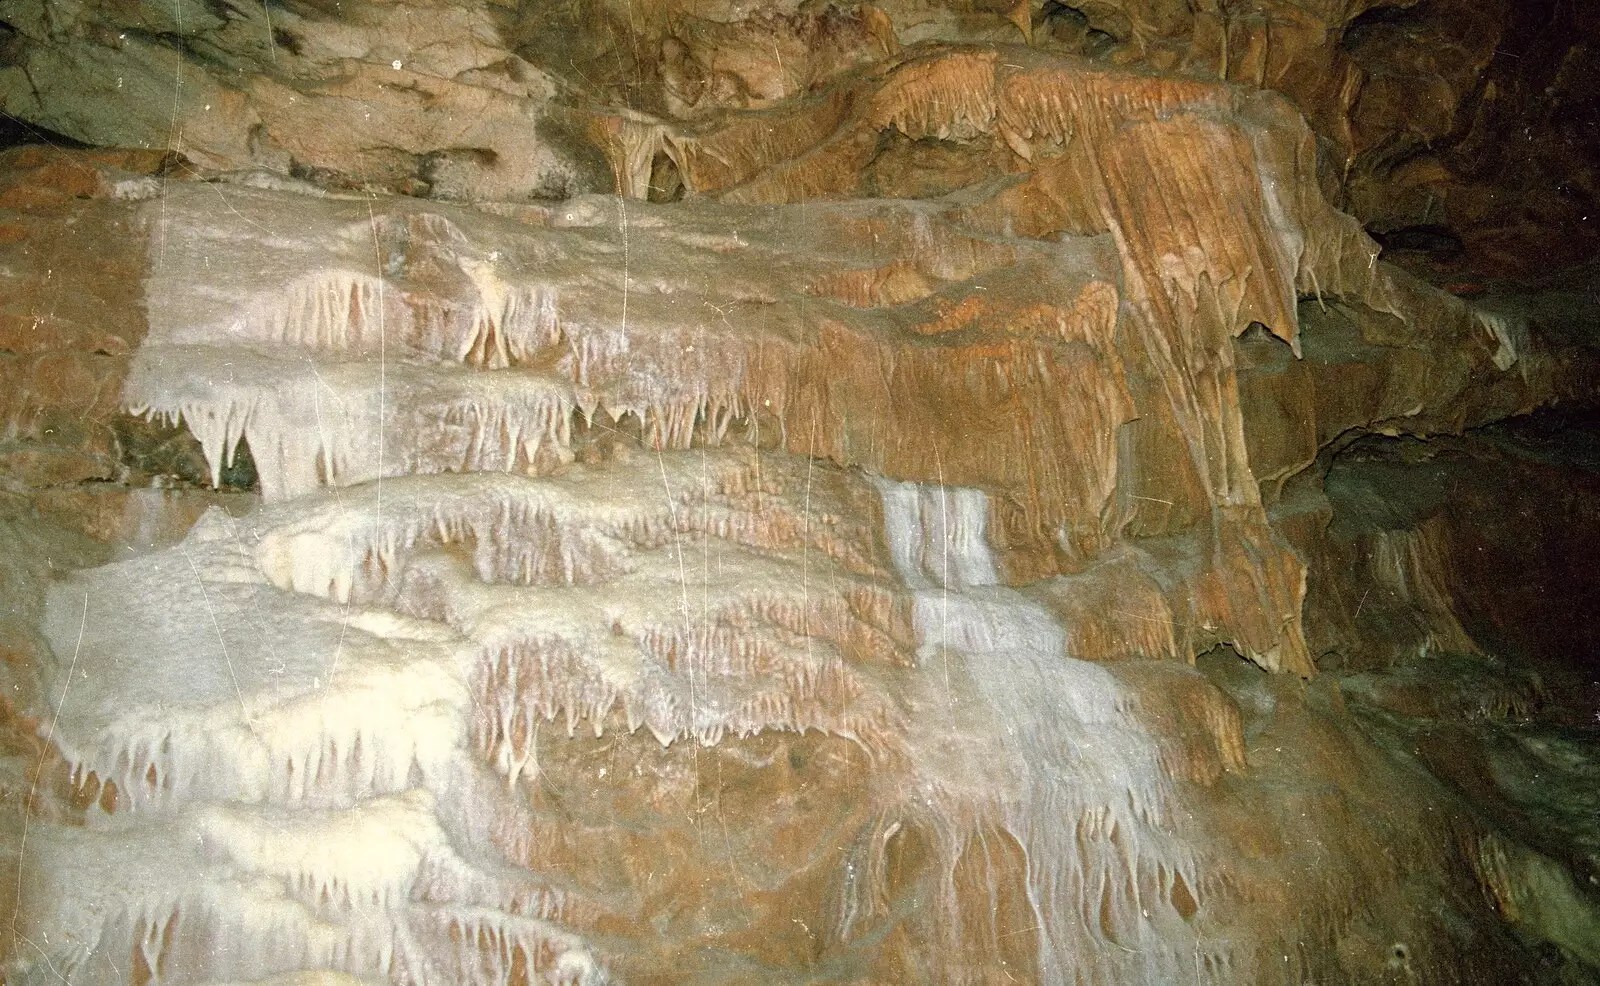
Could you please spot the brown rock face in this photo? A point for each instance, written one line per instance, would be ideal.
(401, 96)
(960, 504)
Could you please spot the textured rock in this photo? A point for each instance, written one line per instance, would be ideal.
(567, 572)
(411, 97)
(1457, 129)
(73, 262)
(830, 558)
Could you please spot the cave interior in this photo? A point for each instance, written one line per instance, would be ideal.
(1118, 485)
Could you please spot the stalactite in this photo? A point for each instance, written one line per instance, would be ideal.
(915, 518)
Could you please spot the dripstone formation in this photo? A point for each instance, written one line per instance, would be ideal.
(707, 493)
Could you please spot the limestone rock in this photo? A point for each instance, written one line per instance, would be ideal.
(410, 97)
(968, 508)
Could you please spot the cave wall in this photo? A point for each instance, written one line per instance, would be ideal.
(685, 493)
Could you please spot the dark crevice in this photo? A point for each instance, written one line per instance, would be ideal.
(1099, 42)
(10, 45)
(1055, 10)
(1515, 502)
(288, 42)
(158, 453)
(240, 473)
(17, 132)
(1073, 29)
(330, 178)
(1439, 242)
(1377, 20)
(666, 183)
(1396, 151)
